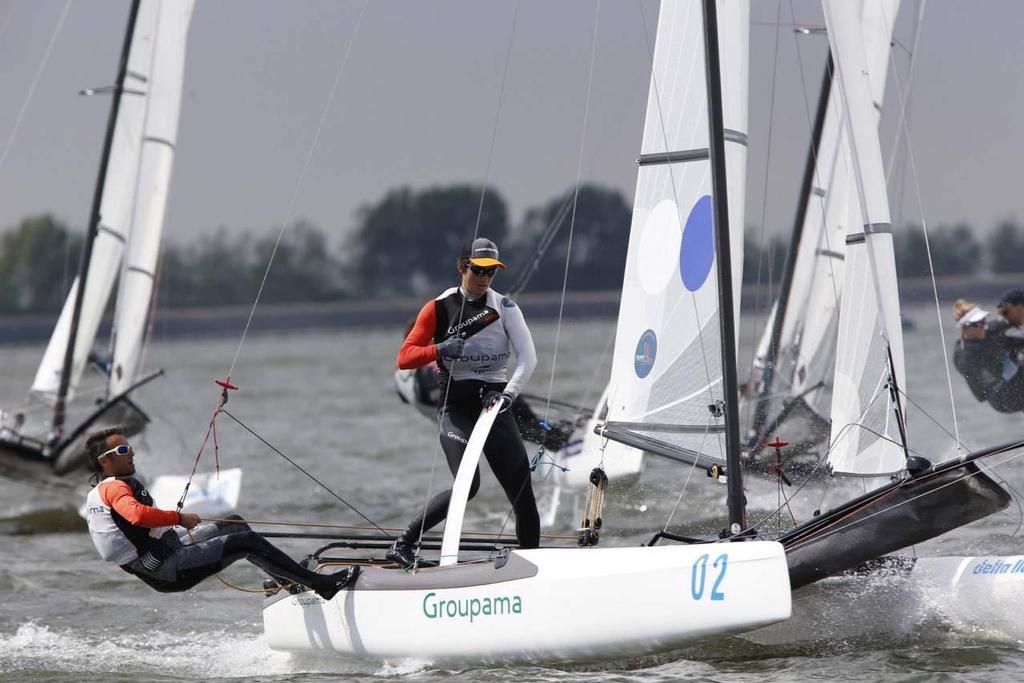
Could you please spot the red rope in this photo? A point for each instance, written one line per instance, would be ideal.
(225, 385)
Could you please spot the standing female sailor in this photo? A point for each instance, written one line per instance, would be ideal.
(471, 331)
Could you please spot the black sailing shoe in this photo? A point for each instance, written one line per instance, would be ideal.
(401, 553)
(337, 581)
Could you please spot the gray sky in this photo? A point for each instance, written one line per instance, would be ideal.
(417, 102)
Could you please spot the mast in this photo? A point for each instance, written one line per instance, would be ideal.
(94, 222)
(806, 187)
(716, 150)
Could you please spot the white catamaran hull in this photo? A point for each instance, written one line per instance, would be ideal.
(981, 594)
(542, 605)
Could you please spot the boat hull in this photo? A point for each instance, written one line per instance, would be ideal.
(894, 517)
(549, 604)
(976, 594)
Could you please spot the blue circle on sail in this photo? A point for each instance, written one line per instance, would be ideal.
(697, 249)
(646, 352)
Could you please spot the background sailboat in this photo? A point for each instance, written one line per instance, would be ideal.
(123, 238)
(869, 432)
(793, 366)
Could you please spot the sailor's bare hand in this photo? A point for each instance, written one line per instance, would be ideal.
(189, 519)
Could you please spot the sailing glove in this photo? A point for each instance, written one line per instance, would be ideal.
(492, 397)
(451, 348)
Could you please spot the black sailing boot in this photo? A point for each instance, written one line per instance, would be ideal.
(332, 583)
(401, 553)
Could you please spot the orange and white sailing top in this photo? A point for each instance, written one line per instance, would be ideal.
(122, 521)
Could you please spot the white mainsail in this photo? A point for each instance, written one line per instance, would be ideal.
(163, 96)
(667, 363)
(806, 358)
(115, 216)
(865, 438)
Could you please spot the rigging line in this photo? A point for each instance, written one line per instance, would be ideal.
(930, 417)
(299, 183)
(476, 231)
(546, 239)
(803, 484)
(839, 151)
(35, 82)
(497, 120)
(689, 476)
(928, 250)
(601, 363)
(767, 166)
(575, 202)
(749, 405)
(905, 96)
(1017, 496)
(303, 470)
(320, 525)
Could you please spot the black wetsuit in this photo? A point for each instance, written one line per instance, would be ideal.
(127, 530)
(492, 326)
(210, 550)
(505, 454)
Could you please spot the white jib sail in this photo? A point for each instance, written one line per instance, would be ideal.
(865, 438)
(163, 94)
(667, 364)
(115, 216)
(807, 344)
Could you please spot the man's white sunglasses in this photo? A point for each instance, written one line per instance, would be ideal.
(123, 449)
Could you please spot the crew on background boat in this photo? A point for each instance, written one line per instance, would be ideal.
(128, 531)
(990, 351)
(470, 331)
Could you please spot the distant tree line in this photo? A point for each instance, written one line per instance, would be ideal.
(407, 244)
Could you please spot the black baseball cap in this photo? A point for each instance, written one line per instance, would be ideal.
(482, 252)
(1014, 296)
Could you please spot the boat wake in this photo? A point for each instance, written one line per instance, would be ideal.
(35, 648)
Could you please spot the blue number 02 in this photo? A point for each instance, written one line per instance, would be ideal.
(698, 577)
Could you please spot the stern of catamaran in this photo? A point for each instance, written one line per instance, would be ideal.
(919, 507)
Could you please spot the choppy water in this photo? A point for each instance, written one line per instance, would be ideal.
(325, 399)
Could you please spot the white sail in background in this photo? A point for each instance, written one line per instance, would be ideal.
(115, 217)
(806, 358)
(865, 438)
(163, 94)
(667, 363)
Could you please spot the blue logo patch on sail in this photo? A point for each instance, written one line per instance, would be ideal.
(646, 352)
(697, 249)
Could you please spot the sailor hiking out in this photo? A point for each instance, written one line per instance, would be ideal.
(142, 539)
(471, 332)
